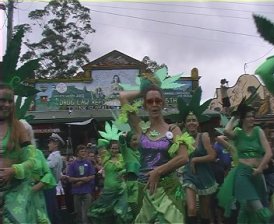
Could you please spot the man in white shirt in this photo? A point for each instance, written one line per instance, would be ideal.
(55, 163)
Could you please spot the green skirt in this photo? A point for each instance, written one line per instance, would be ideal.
(240, 184)
(111, 207)
(18, 204)
(203, 181)
(166, 205)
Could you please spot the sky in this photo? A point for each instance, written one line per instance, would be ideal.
(218, 38)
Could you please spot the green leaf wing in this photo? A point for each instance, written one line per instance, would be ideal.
(265, 28)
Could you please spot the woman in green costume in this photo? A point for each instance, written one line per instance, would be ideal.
(111, 206)
(198, 176)
(131, 156)
(162, 151)
(16, 164)
(246, 182)
(41, 178)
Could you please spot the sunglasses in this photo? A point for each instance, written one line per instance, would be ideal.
(157, 101)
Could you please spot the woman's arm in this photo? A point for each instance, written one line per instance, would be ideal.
(127, 97)
(211, 154)
(268, 152)
(177, 161)
(230, 127)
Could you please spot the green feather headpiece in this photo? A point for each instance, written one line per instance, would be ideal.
(266, 70)
(193, 106)
(159, 78)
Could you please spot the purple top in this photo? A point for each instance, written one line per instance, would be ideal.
(154, 153)
(81, 168)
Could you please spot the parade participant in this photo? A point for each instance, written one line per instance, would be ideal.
(162, 152)
(111, 206)
(55, 163)
(80, 174)
(41, 178)
(198, 176)
(131, 156)
(254, 153)
(16, 163)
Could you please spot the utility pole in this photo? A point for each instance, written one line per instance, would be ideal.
(10, 20)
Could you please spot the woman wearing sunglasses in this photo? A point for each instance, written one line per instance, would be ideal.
(161, 192)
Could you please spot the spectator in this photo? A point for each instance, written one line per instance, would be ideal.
(81, 173)
(55, 163)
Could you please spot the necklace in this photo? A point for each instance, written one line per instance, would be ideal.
(154, 133)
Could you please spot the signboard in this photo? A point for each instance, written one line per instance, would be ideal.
(101, 92)
(184, 91)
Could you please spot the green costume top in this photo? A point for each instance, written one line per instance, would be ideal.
(248, 146)
(131, 157)
(23, 159)
(113, 171)
(41, 172)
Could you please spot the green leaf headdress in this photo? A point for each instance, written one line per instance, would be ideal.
(15, 77)
(193, 106)
(266, 70)
(159, 78)
(110, 133)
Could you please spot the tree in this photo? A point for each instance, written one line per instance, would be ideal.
(153, 65)
(62, 50)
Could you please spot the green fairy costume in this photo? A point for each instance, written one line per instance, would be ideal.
(132, 165)
(18, 206)
(241, 184)
(112, 205)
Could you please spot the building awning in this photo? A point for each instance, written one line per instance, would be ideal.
(81, 123)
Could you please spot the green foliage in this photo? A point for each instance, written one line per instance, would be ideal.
(265, 28)
(16, 76)
(62, 49)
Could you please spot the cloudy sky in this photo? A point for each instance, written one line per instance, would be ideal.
(219, 38)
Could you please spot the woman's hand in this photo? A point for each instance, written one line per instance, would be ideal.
(153, 179)
(6, 174)
(257, 171)
(38, 186)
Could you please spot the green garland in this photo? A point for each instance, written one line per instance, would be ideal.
(128, 108)
(185, 139)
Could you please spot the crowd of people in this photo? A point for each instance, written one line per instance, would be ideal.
(156, 173)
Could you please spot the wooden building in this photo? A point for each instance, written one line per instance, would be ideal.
(76, 108)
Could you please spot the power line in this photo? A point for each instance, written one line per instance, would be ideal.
(245, 64)
(204, 7)
(166, 11)
(244, 3)
(178, 36)
(177, 24)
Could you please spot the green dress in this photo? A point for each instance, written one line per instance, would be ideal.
(132, 164)
(240, 184)
(41, 173)
(18, 206)
(112, 205)
(203, 181)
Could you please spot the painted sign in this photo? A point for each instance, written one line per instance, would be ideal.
(100, 93)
